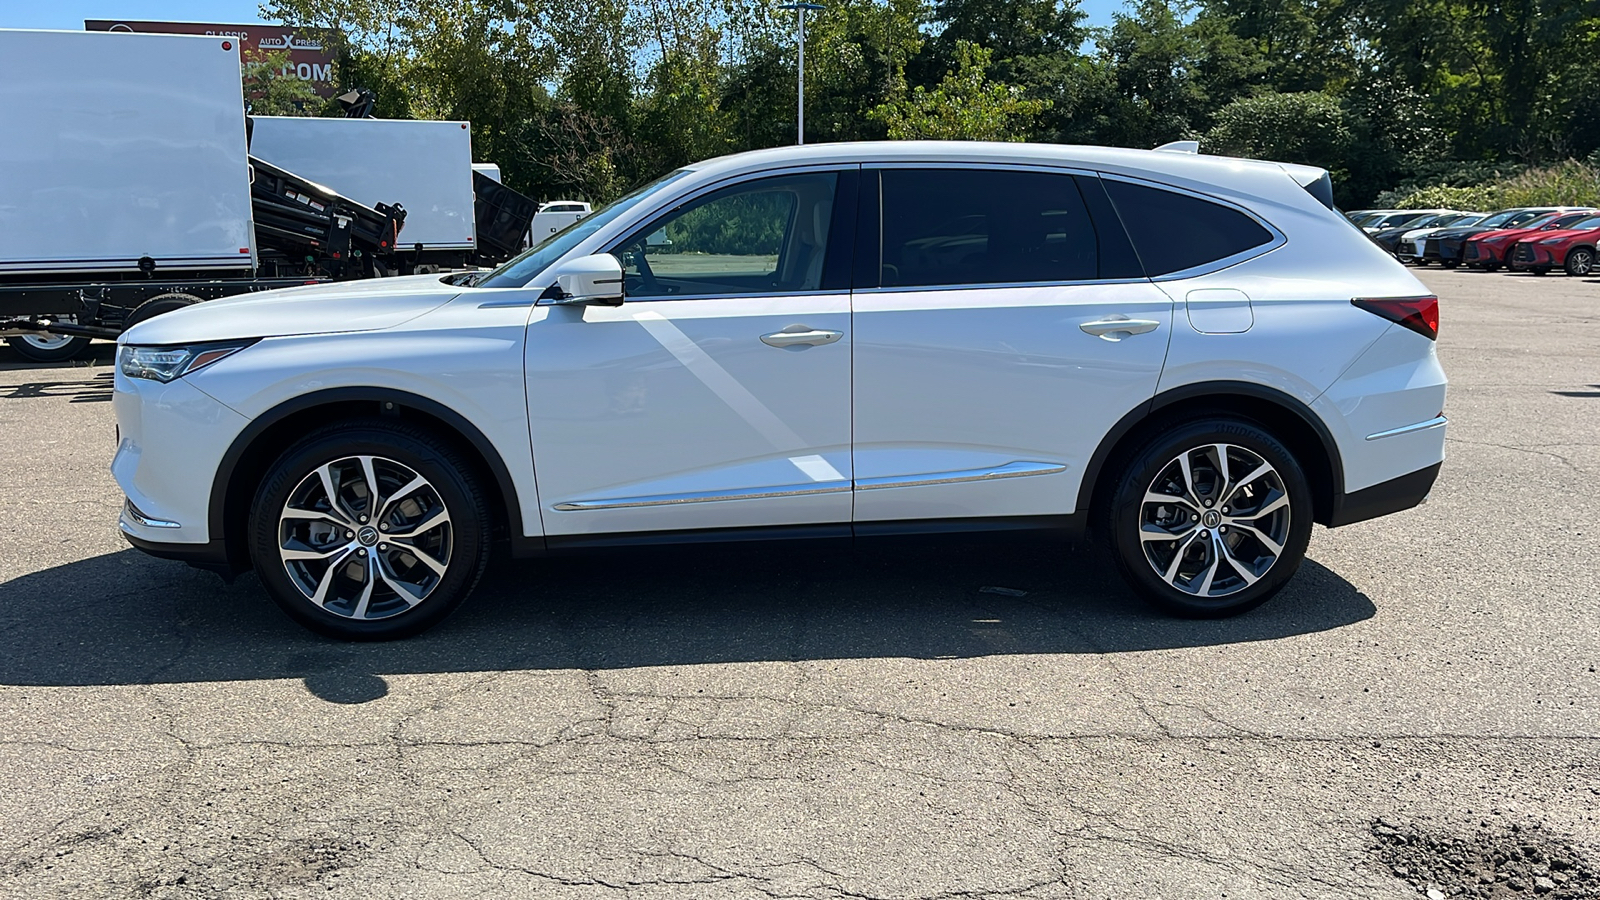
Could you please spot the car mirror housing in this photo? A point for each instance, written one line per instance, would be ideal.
(587, 281)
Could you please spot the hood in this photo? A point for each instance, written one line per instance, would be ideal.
(1502, 234)
(366, 305)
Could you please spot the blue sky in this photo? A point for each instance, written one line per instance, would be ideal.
(69, 14)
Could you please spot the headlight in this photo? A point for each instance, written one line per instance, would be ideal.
(1548, 241)
(166, 363)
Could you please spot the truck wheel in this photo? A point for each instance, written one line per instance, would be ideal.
(50, 348)
(155, 306)
(1580, 262)
(369, 530)
(1210, 518)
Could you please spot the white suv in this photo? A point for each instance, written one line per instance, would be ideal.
(1198, 355)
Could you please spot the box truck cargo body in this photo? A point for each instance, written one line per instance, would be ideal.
(117, 147)
(424, 166)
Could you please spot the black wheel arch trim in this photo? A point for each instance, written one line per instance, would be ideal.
(1203, 389)
(222, 480)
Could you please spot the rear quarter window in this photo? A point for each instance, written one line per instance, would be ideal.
(1173, 232)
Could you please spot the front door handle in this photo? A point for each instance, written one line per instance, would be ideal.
(800, 335)
(1115, 328)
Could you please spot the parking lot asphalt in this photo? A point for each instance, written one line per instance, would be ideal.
(821, 721)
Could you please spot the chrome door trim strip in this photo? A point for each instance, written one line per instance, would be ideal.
(795, 490)
(1434, 422)
(1009, 470)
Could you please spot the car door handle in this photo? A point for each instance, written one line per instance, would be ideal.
(1115, 328)
(797, 335)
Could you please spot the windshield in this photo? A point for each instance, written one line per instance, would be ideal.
(1500, 218)
(1530, 219)
(1588, 224)
(1566, 221)
(523, 268)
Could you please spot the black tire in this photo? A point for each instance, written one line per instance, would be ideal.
(1450, 263)
(1420, 261)
(1540, 270)
(1580, 262)
(49, 352)
(460, 543)
(1491, 267)
(1229, 591)
(155, 306)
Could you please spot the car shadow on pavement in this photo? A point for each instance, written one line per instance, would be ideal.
(92, 389)
(125, 618)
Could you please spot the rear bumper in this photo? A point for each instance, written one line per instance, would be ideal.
(1384, 498)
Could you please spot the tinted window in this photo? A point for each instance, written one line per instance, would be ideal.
(759, 237)
(984, 226)
(1173, 231)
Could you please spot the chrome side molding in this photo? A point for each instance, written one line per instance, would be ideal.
(1009, 470)
(1434, 422)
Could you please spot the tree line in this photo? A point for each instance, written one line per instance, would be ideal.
(587, 98)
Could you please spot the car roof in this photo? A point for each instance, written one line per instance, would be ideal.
(1163, 164)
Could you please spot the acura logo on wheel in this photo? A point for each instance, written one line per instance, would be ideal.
(1212, 518)
(367, 535)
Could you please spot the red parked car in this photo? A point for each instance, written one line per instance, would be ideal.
(1571, 248)
(1487, 251)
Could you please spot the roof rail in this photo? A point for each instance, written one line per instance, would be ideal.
(1181, 147)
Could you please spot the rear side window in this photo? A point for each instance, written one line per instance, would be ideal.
(1174, 231)
(953, 227)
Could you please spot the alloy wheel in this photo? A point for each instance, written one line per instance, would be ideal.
(1214, 520)
(365, 537)
(1580, 262)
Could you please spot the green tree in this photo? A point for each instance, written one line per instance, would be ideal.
(269, 89)
(964, 106)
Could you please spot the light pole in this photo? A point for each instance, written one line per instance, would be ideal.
(800, 27)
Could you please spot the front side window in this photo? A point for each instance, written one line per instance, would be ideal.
(1174, 231)
(764, 236)
(954, 227)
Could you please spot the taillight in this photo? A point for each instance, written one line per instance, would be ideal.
(1420, 314)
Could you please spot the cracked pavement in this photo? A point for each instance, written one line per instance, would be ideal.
(817, 721)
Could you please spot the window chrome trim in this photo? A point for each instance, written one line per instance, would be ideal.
(1007, 285)
(1434, 422)
(1034, 168)
(736, 295)
(795, 490)
(1279, 239)
(1009, 470)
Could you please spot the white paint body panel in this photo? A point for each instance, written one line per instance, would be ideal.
(425, 166)
(669, 397)
(959, 380)
(119, 146)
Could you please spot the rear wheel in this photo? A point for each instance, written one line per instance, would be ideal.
(155, 306)
(50, 348)
(1580, 261)
(369, 531)
(1210, 518)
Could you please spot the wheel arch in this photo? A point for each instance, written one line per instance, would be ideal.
(1285, 416)
(254, 449)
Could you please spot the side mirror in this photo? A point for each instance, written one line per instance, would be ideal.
(587, 281)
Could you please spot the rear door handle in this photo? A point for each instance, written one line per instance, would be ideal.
(1115, 328)
(799, 335)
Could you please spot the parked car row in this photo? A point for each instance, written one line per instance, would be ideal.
(1537, 239)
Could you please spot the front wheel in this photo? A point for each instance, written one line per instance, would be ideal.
(1580, 262)
(1210, 518)
(369, 531)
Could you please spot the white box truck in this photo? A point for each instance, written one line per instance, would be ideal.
(126, 190)
(426, 166)
(117, 147)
